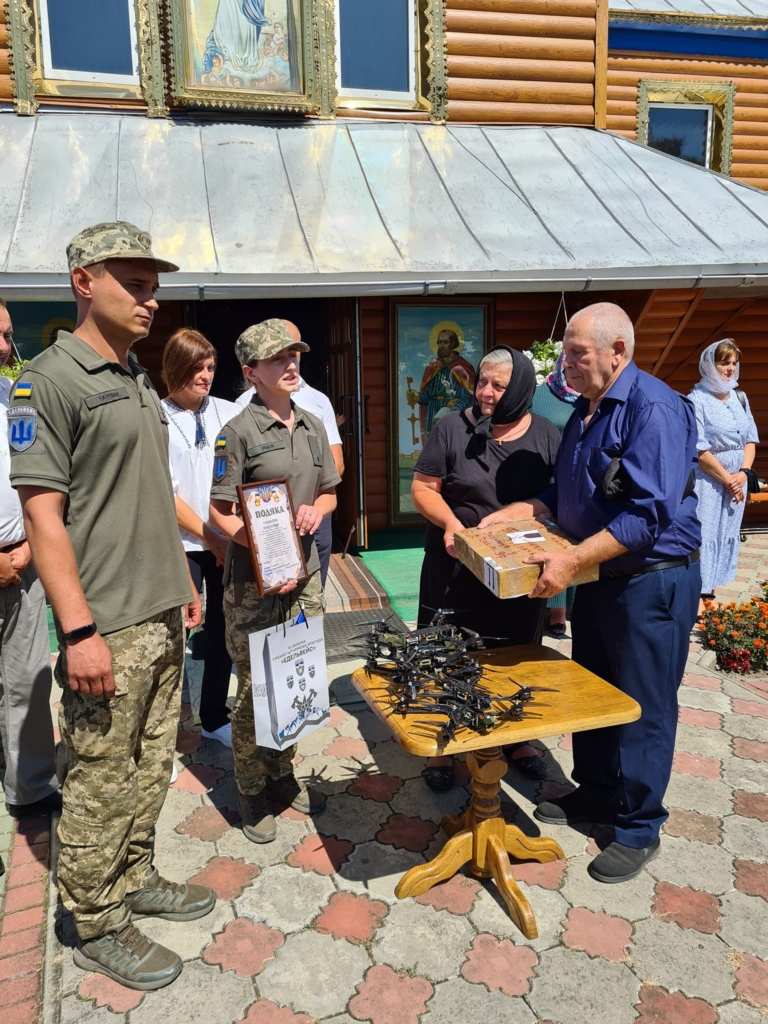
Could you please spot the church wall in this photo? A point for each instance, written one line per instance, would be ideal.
(526, 61)
(749, 161)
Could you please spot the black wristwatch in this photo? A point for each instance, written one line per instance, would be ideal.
(81, 633)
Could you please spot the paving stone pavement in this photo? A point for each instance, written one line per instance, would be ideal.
(308, 928)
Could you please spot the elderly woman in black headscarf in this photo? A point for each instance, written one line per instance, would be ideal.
(475, 462)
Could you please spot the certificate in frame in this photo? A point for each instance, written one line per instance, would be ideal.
(269, 518)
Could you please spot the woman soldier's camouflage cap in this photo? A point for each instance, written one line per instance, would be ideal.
(113, 240)
(264, 340)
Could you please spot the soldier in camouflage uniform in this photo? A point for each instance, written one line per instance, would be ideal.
(271, 438)
(89, 456)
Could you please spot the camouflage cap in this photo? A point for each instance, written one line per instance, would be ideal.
(264, 340)
(113, 240)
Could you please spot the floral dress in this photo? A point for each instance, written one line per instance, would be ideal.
(724, 429)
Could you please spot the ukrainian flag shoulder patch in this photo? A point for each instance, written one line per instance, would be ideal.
(221, 440)
(23, 389)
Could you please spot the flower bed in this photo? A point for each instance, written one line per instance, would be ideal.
(737, 633)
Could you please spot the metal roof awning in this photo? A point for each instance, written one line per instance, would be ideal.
(708, 8)
(351, 208)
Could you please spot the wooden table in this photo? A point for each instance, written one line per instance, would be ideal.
(480, 836)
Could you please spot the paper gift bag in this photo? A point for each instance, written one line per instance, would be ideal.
(290, 681)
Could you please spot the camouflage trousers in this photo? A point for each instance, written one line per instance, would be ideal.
(252, 763)
(120, 752)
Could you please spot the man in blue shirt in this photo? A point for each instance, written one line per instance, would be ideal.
(622, 486)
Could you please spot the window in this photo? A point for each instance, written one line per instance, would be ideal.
(89, 41)
(689, 120)
(376, 51)
(681, 130)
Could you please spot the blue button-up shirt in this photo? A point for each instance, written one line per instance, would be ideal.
(653, 430)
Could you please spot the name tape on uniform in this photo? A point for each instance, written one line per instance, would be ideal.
(261, 449)
(105, 397)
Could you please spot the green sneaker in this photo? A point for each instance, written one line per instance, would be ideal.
(171, 901)
(258, 821)
(130, 958)
(288, 790)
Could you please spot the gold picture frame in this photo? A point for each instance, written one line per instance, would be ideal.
(31, 82)
(719, 95)
(274, 55)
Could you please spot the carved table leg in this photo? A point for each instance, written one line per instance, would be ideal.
(482, 837)
(454, 855)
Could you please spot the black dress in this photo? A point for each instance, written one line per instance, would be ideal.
(473, 488)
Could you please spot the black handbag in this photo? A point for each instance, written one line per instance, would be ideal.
(753, 484)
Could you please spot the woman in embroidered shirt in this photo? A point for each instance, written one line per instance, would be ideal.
(195, 420)
(727, 439)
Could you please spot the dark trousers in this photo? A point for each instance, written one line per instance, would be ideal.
(634, 632)
(324, 542)
(218, 666)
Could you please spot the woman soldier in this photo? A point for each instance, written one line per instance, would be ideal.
(271, 438)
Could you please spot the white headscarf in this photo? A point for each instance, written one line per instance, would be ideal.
(711, 380)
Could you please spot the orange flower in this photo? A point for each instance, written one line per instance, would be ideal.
(734, 634)
(712, 643)
(757, 643)
(738, 618)
(721, 629)
(716, 621)
(701, 627)
(762, 624)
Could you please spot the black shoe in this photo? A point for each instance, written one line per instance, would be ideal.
(574, 808)
(618, 863)
(47, 805)
(2, 867)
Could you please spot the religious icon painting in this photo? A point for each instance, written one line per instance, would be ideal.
(256, 54)
(434, 347)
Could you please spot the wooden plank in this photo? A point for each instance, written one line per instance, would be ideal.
(530, 47)
(688, 66)
(645, 310)
(719, 332)
(676, 334)
(601, 64)
(629, 79)
(741, 128)
(493, 91)
(572, 8)
(752, 142)
(754, 170)
(510, 69)
(522, 113)
(546, 26)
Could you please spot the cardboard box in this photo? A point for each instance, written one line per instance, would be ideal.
(497, 555)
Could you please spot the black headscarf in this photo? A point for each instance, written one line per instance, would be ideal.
(513, 404)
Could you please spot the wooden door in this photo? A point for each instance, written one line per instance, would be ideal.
(344, 392)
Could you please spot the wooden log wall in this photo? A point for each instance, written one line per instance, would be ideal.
(750, 136)
(713, 318)
(6, 92)
(522, 61)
